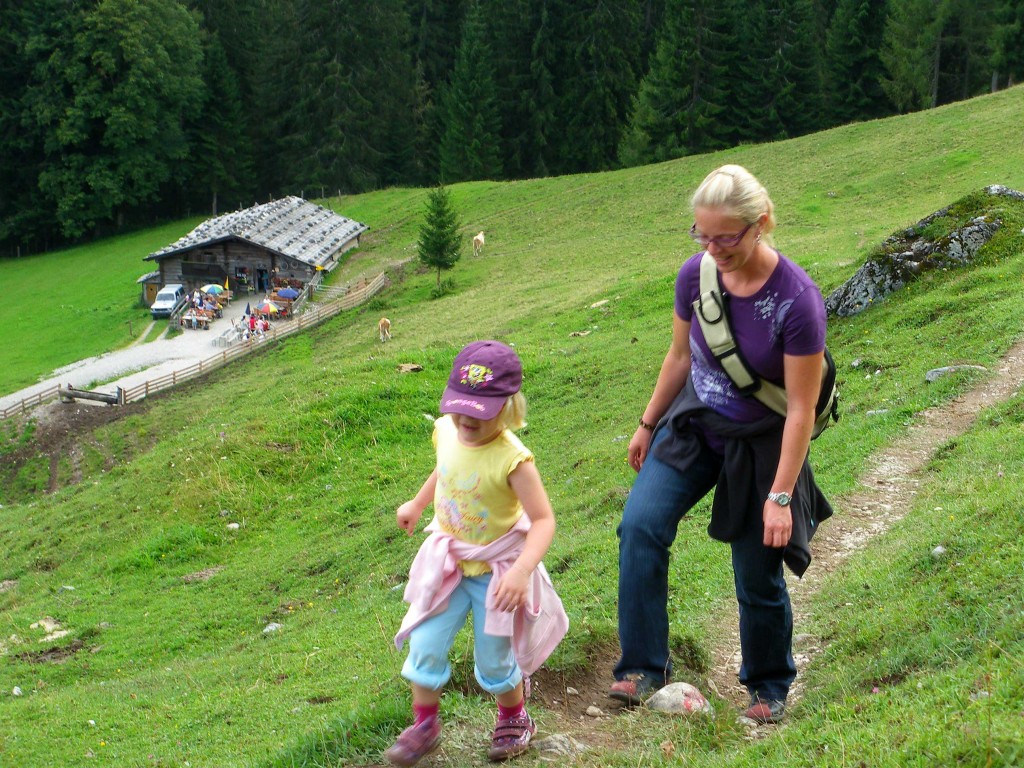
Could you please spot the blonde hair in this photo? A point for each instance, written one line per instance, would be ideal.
(736, 189)
(514, 412)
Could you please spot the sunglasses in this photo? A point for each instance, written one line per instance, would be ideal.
(722, 241)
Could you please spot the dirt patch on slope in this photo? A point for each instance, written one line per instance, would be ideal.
(58, 431)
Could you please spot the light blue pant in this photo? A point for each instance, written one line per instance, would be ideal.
(430, 643)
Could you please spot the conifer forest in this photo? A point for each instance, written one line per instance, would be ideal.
(122, 113)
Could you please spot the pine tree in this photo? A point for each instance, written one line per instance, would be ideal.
(797, 60)
(436, 27)
(342, 97)
(600, 61)
(658, 126)
(761, 70)
(540, 99)
(854, 68)
(470, 145)
(686, 103)
(909, 52)
(221, 163)
(1008, 44)
(439, 245)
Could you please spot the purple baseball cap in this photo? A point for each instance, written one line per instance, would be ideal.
(484, 375)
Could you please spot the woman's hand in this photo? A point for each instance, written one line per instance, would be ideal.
(512, 589)
(638, 447)
(778, 524)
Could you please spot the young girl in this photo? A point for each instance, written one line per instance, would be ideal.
(492, 526)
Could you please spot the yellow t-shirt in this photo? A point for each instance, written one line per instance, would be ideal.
(473, 500)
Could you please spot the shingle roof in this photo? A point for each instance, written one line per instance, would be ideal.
(291, 226)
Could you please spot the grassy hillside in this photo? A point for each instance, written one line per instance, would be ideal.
(311, 446)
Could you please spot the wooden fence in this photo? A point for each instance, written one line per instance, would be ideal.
(312, 316)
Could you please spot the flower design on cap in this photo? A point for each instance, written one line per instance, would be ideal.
(476, 376)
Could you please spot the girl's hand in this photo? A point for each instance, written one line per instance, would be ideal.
(638, 448)
(408, 515)
(511, 591)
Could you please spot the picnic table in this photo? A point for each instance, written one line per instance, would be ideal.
(196, 320)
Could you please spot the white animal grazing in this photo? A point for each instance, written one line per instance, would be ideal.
(478, 244)
(384, 329)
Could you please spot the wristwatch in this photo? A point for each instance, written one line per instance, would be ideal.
(781, 498)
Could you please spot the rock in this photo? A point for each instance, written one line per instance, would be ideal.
(410, 368)
(16, 691)
(936, 373)
(938, 552)
(907, 254)
(600, 303)
(680, 698)
(233, 526)
(271, 627)
(593, 711)
(999, 189)
(46, 624)
(570, 691)
(559, 744)
(7, 584)
(580, 333)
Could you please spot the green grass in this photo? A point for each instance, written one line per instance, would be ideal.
(64, 306)
(312, 444)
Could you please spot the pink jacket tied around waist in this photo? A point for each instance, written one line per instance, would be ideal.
(535, 628)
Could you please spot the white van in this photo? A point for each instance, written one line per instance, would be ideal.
(167, 300)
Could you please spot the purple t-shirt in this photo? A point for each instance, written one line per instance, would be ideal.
(786, 316)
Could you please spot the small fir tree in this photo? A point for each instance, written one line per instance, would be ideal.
(439, 243)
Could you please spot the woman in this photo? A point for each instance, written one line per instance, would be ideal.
(699, 433)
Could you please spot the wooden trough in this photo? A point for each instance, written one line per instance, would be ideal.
(69, 394)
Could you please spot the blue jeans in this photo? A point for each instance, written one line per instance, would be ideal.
(431, 641)
(660, 497)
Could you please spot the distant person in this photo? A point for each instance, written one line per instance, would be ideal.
(492, 525)
(698, 433)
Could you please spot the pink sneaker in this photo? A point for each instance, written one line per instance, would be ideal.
(511, 737)
(415, 742)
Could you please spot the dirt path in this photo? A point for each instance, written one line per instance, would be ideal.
(885, 494)
(137, 362)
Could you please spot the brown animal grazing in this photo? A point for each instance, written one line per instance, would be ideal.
(478, 244)
(384, 329)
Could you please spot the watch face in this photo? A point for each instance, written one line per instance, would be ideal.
(782, 499)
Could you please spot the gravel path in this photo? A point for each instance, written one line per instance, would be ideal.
(137, 363)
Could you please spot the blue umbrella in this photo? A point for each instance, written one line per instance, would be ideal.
(288, 293)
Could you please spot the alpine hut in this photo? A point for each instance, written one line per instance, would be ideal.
(256, 249)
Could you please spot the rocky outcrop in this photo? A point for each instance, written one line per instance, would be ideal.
(906, 255)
